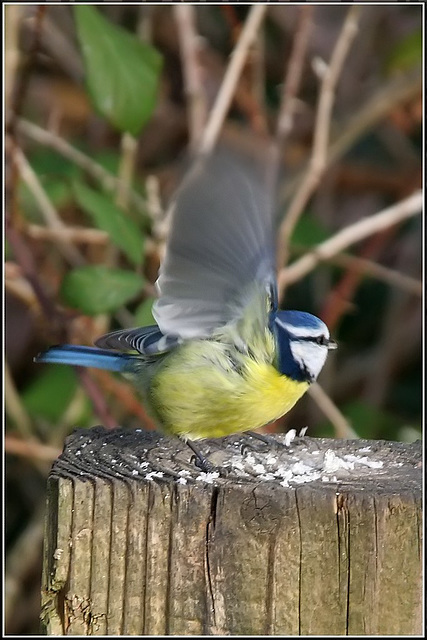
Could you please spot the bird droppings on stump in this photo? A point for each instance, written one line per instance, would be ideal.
(290, 460)
(303, 536)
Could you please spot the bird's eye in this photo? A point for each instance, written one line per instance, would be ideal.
(321, 340)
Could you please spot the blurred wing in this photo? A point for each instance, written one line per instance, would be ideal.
(148, 341)
(220, 242)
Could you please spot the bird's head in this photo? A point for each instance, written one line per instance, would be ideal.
(303, 343)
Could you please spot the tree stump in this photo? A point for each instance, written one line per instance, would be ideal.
(300, 537)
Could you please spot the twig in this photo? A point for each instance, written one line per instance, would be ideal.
(21, 289)
(317, 165)
(353, 233)
(107, 180)
(25, 260)
(16, 104)
(57, 321)
(258, 74)
(30, 449)
(293, 76)
(290, 89)
(129, 148)
(232, 74)
(398, 91)
(14, 407)
(378, 271)
(123, 392)
(98, 401)
(13, 15)
(185, 16)
(338, 299)
(71, 235)
(331, 411)
(47, 209)
(63, 50)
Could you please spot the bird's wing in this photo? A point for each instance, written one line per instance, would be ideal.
(220, 242)
(148, 341)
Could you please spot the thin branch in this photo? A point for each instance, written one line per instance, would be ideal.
(95, 394)
(107, 180)
(47, 209)
(13, 14)
(399, 91)
(232, 74)
(258, 75)
(317, 165)
(185, 16)
(379, 272)
(24, 258)
(57, 321)
(21, 289)
(353, 233)
(14, 407)
(290, 90)
(330, 410)
(16, 104)
(129, 148)
(30, 448)
(71, 235)
(293, 77)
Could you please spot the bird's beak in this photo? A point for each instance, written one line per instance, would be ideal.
(332, 344)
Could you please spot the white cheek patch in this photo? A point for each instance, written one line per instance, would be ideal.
(310, 355)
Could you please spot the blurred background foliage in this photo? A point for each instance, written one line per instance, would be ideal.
(86, 228)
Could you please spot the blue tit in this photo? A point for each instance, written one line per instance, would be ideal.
(222, 358)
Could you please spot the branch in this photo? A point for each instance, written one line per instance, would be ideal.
(47, 209)
(331, 411)
(317, 165)
(399, 91)
(350, 235)
(185, 16)
(293, 77)
(30, 448)
(290, 90)
(378, 271)
(232, 74)
(71, 235)
(107, 180)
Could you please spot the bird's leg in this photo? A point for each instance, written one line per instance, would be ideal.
(262, 437)
(258, 436)
(201, 462)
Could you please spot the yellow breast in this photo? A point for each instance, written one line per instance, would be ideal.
(199, 394)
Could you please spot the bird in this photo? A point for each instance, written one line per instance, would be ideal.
(222, 357)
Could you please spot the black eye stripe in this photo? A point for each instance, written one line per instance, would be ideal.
(318, 339)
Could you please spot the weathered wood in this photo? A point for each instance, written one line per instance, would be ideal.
(314, 536)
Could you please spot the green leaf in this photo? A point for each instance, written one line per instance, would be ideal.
(98, 289)
(407, 53)
(123, 231)
(50, 394)
(122, 73)
(143, 314)
(309, 231)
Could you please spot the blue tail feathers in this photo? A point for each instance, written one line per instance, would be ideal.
(85, 357)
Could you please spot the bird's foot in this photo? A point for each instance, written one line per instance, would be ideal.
(267, 440)
(199, 460)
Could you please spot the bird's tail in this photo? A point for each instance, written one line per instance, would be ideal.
(85, 357)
